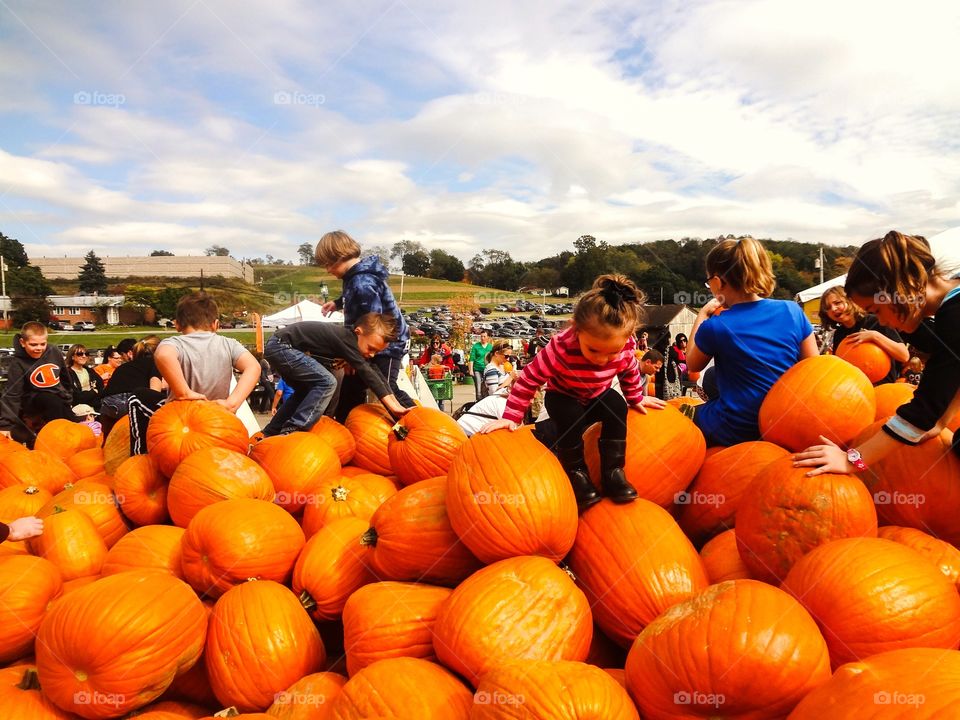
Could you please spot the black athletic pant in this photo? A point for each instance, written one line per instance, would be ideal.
(571, 417)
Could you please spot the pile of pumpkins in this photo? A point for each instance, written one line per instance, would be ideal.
(399, 570)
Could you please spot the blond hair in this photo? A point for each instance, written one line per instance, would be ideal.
(614, 303)
(839, 292)
(335, 247)
(743, 264)
(146, 345)
(381, 324)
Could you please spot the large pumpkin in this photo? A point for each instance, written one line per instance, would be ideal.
(296, 463)
(144, 620)
(232, 541)
(27, 586)
(309, 698)
(141, 490)
(339, 497)
(37, 468)
(507, 495)
(116, 448)
(412, 537)
(211, 475)
(634, 562)
(521, 608)
(422, 444)
(785, 514)
(941, 553)
(71, 542)
(95, 500)
(370, 426)
(820, 395)
(738, 649)
(182, 427)
(550, 690)
(20, 696)
(890, 396)
(405, 689)
(870, 595)
(154, 547)
(336, 436)
(88, 465)
(65, 438)
(722, 559)
(18, 501)
(260, 642)
(664, 452)
(869, 357)
(709, 505)
(919, 683)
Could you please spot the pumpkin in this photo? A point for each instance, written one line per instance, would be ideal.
(86, 647)
(331, 567)
(633, 562)
(709, 505)
(785, 514)
(65, 438)
(211, 475)
(182, 427)
(722, 559)
(260, 642)
(521, 608)
(868, 357)
(296, 464)
(37, 468)
(677, 402)
(422, 444)
(88, 464)
(738, 649)
(870, 595)
(507, 495)
(917, 683)
(95, 500)
(402, 688)
(19, 501)
(70, 586)
(169, 710)
(820, 395)
(71, 542)
(550, 690)
(194, 684)
(233, 540)
(890, 396)
(412, 538)
(336, 436)
(390, 619)
(20, 696)
(116, 448)
(309, 698)
(339, 497)
(141, 491)
(664, 452)
(942, 554)
(27, 586)
(153, 547)
(370, 426)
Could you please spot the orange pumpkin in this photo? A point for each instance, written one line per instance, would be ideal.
(390, 619)
(37, 468)
(339, 497)
(709, 505)
(870, 595)
(722, 559)
(71, 542)
(423, 443)
(785, 514)
(18, 501)
(412, 538)
(309, 698)
(96, 501)
(180, 428)
(231, 541)
(942, 554)
(738, 649)
(116, 448)
(27, 586)
(154, 547)
(20, 696)
(521, 608)
(88, 464)
(370, 426)
(507, 495)
(633, 562)
(170, 710)
(891, 396)
(65, 438)
(868, 357)
(820, 395)
(296, 464)
(918, 683)
(260, 642)
(141, 490)
(211, 475)
(336, 436)
(664, 452)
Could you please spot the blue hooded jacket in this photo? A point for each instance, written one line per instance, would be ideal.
(365, 290)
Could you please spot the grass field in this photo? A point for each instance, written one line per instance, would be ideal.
(99, 340)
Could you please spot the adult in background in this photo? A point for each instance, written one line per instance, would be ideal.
(139, 377)
(477, 362)
(537, 343)
(86, 385)
(437, 347)
(126, 349)
(678, 353)
(112, 359)
(497, 374)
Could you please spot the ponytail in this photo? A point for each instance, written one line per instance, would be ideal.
(894, 269)
(613, 303)
(744, 264)
(146, 346)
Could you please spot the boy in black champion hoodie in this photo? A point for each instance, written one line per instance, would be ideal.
(37, 389)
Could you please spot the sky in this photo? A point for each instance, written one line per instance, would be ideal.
(130, 126)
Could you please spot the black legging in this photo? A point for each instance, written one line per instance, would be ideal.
(572, 418)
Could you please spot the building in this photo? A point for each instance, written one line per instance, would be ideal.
(182, 266)
(98, 309)
(562, 290)
(667, 319)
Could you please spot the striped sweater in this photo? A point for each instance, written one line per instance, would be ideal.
(564, 369)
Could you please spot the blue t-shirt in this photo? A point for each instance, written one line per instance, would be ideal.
(753, 344)
(285, 390)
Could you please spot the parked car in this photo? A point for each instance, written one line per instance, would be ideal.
(85, 326)
(67, 327)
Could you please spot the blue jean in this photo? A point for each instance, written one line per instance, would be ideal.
(313, 387)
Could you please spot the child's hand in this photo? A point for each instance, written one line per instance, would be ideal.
(328, 307)
(25, 528)
(863, 336)
(711, 307)
(639, 408)
(826, 458)
(228, 405)
(393, 405)
(494, 425)
(190, 395)
(653, 402)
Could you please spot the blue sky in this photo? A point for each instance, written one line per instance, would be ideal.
(132, 126)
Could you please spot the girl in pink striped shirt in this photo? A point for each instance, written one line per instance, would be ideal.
(578, 366)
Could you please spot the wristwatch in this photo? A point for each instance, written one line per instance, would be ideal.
(855, 459)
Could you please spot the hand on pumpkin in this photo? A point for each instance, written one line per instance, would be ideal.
(227, 404)
(190, 395)
(649, 401)
(24, 528)
(863, 336)
(826, 458)
(393, 405)
(494, 425)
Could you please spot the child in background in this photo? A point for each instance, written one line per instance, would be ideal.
(282, 394)
(752, 343)
(897, 278)
(436, 370)
(913, 372)
(86, 415)
(578, 366)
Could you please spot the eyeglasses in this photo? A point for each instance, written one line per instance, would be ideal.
(80, 352)
(114, 357)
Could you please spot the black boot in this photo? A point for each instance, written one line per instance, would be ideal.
(613, 455)
(576, 468)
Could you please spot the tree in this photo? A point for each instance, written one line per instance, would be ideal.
(13, 252)
(28, 290)
(161, 253)
(403, 248)
(167, 299)
(217, 250)
(416, 263)
(93, 276)
(381, 252)
(305, 251)
(444, 266)
(541, 277)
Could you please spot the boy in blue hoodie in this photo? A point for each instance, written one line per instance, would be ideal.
(365, 290)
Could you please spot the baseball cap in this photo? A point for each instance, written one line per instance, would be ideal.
(84, 410)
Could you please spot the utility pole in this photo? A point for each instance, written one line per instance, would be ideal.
(3, 275)
(821, 264)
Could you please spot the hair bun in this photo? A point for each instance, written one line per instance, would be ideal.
(616, 293)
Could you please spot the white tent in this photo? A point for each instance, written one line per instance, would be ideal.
(817, 290)
(303, 310)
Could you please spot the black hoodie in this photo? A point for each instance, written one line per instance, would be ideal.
(26, 377)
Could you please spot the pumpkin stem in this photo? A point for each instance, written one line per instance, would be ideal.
(400, 431)
(228, 713)
(307, 601)
(30, 680)
(31, 490)
(369, 538)
(568, 571)
(339, 493)
(58, 509)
